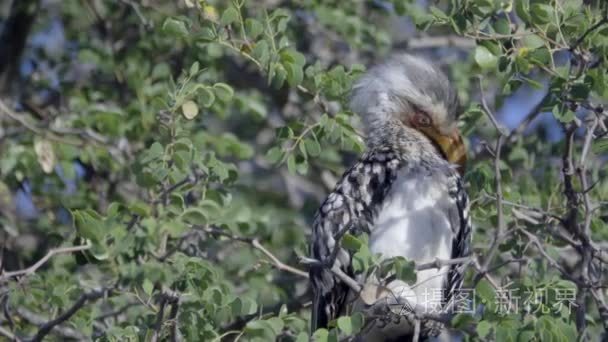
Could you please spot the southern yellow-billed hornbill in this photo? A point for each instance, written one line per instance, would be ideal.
(406, 193)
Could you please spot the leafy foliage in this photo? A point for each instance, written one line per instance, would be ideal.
(187, 144)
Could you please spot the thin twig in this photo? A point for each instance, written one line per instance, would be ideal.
(279, 264)
(597, 25)
(539, 246)
(488, 111)
(255, 243)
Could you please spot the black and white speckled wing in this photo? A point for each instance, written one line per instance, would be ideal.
(351, 207)
(462, 238)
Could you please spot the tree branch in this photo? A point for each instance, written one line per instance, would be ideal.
(255, 243)
(46, 328)
(9, 335)
(27, 271)
(580, 40)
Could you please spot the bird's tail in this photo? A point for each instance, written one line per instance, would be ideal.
(318, 317)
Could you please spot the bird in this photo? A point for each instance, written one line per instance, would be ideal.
(406, 192)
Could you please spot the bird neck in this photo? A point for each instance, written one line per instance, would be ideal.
(411, 145)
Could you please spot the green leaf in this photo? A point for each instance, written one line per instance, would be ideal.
(345, 324)
(462, 321)
(540, 56)
(236, 307)
(351, 242)
(278, 75)
(302, 166)
(302, 337)
(405, 269)
(522, 8)
(229, 16)
(148, 287)
(261, 51)
(194, 68)
(357, 321)
(206, 34)
(261, 328)
(295, 74)
(139, 208)
(483, 329)
(277, 324)
(362, 259)
(485, 291)
(291, 164)
(320, 335)
(99, 251)
(312, 147)
(194, 216)
(564, 115)
(580, 91)
(206, 96)
(533, 41)
(274, 155)
(600, 146)
(501, 26)
(507, 330)
(438, 14)
(89, 224)
(253, 27)
(485, 59)
(541, 13)
(223, 91)
(175, 27)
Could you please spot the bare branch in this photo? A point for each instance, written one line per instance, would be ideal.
(255, 243)
(499, 128)
(440, 263)
(437, 263)
(539, 246)
(9, 335)
(7, 275)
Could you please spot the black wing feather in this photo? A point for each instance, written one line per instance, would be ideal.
(351, 207)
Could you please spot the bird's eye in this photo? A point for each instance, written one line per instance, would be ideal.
(422, 120)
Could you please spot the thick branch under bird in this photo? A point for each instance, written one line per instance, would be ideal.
(406, 193)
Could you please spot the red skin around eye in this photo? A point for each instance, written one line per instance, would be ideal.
(420, 120)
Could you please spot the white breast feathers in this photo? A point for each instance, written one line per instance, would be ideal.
(413, 222)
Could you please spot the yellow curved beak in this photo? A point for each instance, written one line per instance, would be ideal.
(451, 146)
